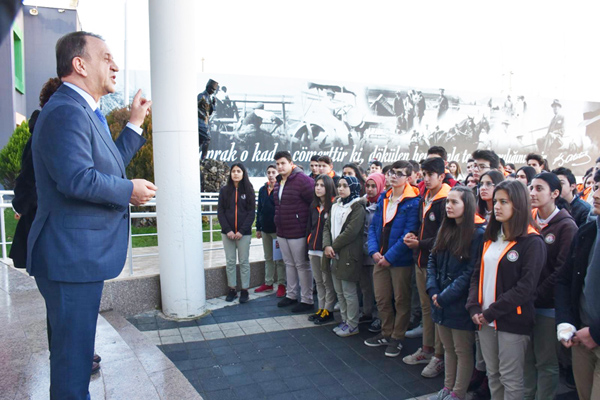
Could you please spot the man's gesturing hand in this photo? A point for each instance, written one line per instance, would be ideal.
(143, 191)
(139, 109)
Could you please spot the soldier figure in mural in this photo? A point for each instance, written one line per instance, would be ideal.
(556, 130)
(420, 106)
(225, 108)
(409, 111)
(508, 107)
(442, 105)
(206, 106)
(399, 112)
(252, 131)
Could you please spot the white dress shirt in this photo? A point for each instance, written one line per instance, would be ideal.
(93, 105)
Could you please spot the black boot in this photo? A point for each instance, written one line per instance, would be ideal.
(244, 296)
(232, 294)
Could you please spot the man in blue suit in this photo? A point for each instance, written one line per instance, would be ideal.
(79, 236)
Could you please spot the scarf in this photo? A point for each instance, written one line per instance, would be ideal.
(354, 188)
(379, 180)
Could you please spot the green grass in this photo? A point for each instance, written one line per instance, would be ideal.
(11, 225)
(141, 241)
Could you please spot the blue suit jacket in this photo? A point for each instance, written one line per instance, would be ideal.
(80, 232)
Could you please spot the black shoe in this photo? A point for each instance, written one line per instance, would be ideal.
(414, 322)
(325, 317)
(232, 294)
(302, 307)
(95, 368)
(286, 302)
(375, 326)
(97, 358)
(476, 380)
(569, 378)
(244, 296)
(483, 392)
(313, 317)
(365, 319)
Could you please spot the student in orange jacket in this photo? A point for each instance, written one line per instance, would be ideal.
(431, 212)
(502, 293)
(558, 229)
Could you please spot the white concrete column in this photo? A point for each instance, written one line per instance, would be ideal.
(176, 156)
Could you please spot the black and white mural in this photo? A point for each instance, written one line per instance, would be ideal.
(255, 117)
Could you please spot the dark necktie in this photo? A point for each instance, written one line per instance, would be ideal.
(102, 119)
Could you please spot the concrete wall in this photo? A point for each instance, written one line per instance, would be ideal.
(41, 33)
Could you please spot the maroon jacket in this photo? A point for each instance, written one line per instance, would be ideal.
(516, 281)
(291, 213)
(558, 235)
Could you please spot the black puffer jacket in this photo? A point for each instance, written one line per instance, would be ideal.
(236, 211)
(314, 229)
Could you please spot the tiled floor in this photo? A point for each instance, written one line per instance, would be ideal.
(131, 368)
(259, 351)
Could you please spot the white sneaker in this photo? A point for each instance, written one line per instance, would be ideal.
(415, 333)
(347, 330)
(339, 327)
(419, 357)
(434, 368)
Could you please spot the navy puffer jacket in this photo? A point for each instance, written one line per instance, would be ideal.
(265, 214)
(450, 278)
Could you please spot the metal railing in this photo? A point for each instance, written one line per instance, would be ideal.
(209, 203)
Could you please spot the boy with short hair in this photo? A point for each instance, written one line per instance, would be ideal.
(579, 208)
(397, 214)
(535, 161)
(314, 167)
(294, 192)
(266, 230)
(431, 212)
(375, 167)
(326, 167)
(484, 160)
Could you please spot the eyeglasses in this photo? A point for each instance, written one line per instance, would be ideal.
(480, 166)
(488, 184)
(397, 174)
(342, 185)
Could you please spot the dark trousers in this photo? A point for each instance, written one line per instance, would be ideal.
(72, 312)
(204, 142)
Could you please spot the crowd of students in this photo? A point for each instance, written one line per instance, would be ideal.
(504, 262)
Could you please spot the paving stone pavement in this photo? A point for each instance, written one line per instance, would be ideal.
(259, 351)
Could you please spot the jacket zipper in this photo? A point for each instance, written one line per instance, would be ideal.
(485, 248)
(318, 226)
(236, 197)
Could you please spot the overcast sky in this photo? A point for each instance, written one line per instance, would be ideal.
(548, 48)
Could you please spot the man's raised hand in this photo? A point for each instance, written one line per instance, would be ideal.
(143, 191)
(139, 109)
